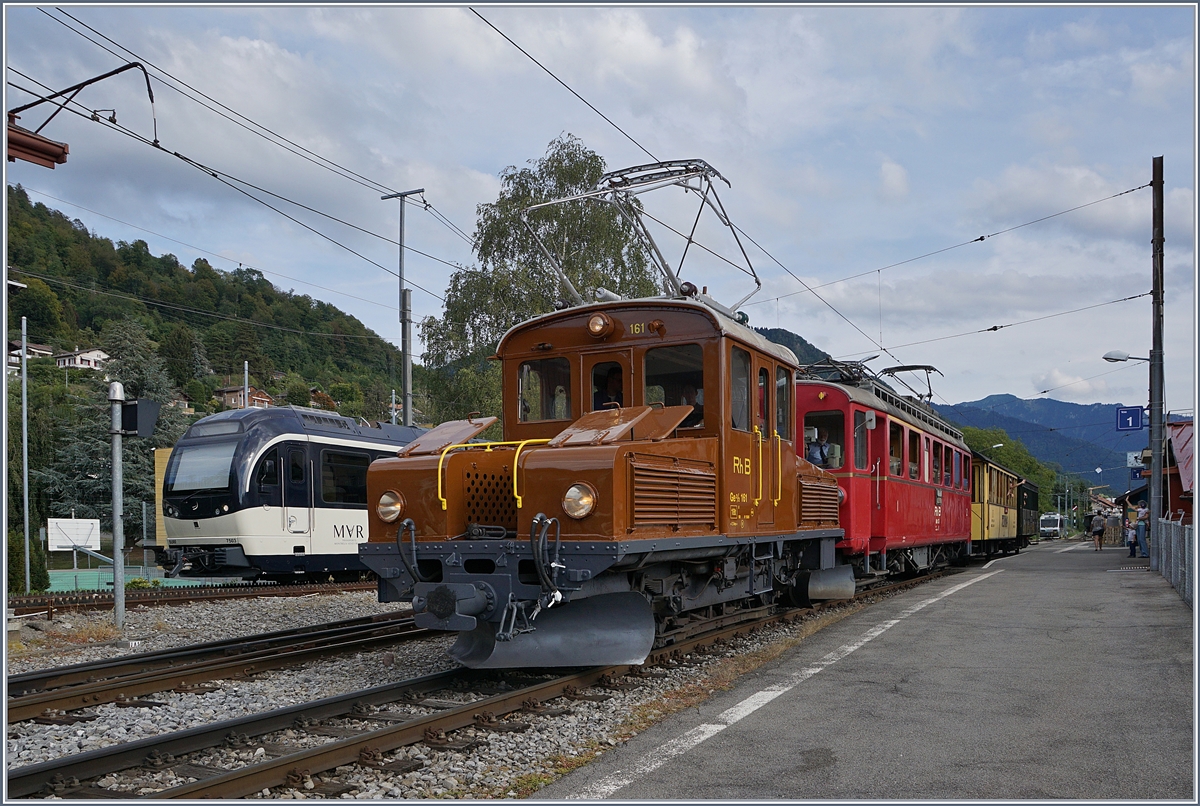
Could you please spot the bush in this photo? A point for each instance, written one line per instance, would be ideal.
(142, 584)
(39, 577)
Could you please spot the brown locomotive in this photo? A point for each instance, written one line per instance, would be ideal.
(647, 485)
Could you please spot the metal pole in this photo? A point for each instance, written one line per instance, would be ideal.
(393, 407)
(405, 313)
(1156, 367)
(25, 442)
(406, 342)
(245, 384)
(116, 396)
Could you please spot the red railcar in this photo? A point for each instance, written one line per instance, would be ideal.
(903, 471)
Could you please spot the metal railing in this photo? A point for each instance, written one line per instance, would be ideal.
(1175, 555)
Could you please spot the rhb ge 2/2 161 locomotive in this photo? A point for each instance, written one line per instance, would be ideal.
(650, 483)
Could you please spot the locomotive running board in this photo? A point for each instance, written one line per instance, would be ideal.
(605, 630)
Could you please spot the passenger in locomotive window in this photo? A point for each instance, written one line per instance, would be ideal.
(818, 451)
(739, 392)
(689, 396)
(609, 390)
(826, 450)
(896, 449)
(783, 402)
(914, 454)
(538, 385)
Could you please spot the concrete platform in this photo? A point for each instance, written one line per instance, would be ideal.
(1060, 672)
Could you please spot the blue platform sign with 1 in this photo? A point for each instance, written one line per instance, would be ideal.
(1135, 474)
(1130, 418)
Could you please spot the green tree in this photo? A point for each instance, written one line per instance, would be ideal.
(39, 577)
(594, 245)
(296, 391)
(41, 308)
(183, 355)
(80, 476)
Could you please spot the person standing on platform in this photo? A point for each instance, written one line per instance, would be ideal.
(1131, 538)
(1143, 523)
(1097, 530)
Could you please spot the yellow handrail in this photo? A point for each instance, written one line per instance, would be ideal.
(759, 439)
(778, 469)
(487, 446)
(516, 461)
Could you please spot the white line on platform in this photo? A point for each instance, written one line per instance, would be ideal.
(1071, 548)
(681, 744)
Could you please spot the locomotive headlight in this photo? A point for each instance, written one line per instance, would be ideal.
(390, 506)
(579, 500)
(600, 325)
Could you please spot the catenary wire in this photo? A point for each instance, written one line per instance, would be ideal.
(568, 88)
(218, 176)
(948, 248)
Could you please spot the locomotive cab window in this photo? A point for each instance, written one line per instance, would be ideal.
(783, 402)
(824, 437)
(344, 478)
(896, 449)
(739, 390)
(544, 390)
(675, 377)
(608, 386)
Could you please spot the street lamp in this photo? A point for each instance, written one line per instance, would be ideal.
(1117, 356)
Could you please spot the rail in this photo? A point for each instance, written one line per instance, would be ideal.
(1175, 555)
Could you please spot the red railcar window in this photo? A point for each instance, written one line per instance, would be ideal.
(937, 463)
(896, 449)
(860, 440)
(947, 460)
(824, 438)
(957, 468)
(914, 455)
(966, 472)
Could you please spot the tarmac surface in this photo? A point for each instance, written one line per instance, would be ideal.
(1059, 672)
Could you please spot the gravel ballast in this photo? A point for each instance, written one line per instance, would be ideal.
(503, 765)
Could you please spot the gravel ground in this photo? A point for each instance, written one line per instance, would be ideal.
(504, 765)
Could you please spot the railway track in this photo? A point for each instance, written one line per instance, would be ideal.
(359, 728)
(103, 600)
(50, 696)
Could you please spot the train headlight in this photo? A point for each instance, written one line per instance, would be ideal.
(600, 325)
(390, 506)
(579, 500)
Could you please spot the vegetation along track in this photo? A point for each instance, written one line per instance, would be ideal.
(49, 695)
(354, 722)
(49, 603)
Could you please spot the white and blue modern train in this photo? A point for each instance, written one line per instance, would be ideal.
(275, 494)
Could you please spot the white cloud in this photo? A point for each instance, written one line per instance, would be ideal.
(893, 181)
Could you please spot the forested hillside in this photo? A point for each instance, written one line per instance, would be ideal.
(197, 316)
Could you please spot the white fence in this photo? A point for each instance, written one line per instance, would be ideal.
(1175, 553)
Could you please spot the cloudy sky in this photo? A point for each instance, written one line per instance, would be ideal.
(854, 139)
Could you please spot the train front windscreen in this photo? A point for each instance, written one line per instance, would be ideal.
(198, 481)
